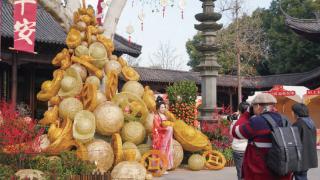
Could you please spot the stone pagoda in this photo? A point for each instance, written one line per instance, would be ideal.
(208, 66)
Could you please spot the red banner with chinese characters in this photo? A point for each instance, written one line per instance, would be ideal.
(25, 15)
(278, 90)
(313, 92)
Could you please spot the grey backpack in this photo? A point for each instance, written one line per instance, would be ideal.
(285, 155)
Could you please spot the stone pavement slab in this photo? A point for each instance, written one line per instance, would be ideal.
(228, 173)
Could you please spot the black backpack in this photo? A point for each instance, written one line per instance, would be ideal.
(285, 155)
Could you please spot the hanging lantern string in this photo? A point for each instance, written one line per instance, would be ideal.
(142, 26)
(182, 5)
(182, 14)
(163, 11)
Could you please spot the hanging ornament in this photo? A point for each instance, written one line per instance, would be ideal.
(141, 16)
(182, 6)
(100, 9)
(163, 3)
(130, 30)
(132, 3)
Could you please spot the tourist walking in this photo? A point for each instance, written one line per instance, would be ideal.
(258, 132)
(307, 131)
(239, 145)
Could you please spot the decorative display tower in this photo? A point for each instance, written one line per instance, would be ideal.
(208, 66)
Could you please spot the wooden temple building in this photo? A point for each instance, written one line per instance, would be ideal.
(308, 28)
(21, 74)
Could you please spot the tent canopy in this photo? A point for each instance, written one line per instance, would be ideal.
(286, 97)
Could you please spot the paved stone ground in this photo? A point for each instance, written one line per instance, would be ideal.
(228, 173)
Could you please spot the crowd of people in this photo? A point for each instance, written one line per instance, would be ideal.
(255, 131)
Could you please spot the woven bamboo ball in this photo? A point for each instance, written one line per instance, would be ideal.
(69, 107)
(129, 170)
(177, 154)
(133, 132)
(196, 162)
(133, 87)
(109, 118)
(100, 153)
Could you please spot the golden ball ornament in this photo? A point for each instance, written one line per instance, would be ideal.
(101, 154)
(109, 118)
(93, 80)
(69, 107)
(196, 162)
(113, 65)
(133, 87)
(133, 132)
(177, 154)
(129, 170)
(81, 70)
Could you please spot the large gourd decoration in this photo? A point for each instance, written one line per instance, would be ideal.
(84, 99)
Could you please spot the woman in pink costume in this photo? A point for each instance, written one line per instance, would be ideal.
(162, 132)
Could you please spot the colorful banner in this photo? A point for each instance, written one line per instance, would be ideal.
(99, 11)
(313, 92)
(278, 90)
(25, 15)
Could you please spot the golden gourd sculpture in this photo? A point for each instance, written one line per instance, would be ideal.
(85, 105)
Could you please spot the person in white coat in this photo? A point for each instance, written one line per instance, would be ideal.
(238, 145)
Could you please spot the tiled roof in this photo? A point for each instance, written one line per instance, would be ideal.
(310, 28)
(49, 31)
(165, 75)
(170, 76)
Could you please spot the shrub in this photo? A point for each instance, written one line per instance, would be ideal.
(182, 98)
(68, 164)
(18, 134)
(6, 172)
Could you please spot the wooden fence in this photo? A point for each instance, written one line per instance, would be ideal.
(97, 176)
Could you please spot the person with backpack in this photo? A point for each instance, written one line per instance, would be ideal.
(259, 134)
(239, 145)
(307, 132)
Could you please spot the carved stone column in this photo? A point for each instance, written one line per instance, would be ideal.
(208, 66)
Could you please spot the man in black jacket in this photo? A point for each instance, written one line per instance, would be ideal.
(308, 137)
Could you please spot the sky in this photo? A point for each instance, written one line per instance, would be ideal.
(172, 28)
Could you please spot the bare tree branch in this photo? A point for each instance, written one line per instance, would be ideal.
(166, 57)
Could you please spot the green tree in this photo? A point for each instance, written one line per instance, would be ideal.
(275, 50)
(252, 44)
(194, 55)
(289, 52)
